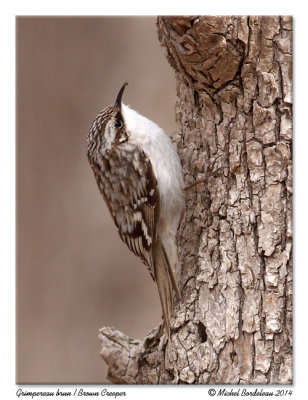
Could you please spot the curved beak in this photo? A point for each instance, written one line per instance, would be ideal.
(119, 97)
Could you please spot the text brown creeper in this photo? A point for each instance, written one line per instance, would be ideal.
(139, 175)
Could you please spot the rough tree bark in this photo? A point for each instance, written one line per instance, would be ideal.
(234, 106)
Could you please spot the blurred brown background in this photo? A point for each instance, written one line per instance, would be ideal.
(74, 275)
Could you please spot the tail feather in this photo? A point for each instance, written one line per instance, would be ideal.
(171, 274)
(165, 281)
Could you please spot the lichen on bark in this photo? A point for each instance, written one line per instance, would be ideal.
(234, 109)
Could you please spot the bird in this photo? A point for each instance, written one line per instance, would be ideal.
(139, 175)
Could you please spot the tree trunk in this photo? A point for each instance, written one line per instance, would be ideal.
(234, 322)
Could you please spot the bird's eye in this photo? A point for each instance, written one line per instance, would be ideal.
(118, 124)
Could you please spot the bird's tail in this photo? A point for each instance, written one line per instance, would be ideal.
(165, 281)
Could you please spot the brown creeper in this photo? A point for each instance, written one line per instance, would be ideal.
(140, 178)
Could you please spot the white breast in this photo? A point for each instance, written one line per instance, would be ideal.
(166, 164)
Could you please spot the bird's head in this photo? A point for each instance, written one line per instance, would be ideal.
(108, 128)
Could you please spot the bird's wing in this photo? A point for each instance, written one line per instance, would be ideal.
(142, 213)
(129, 186)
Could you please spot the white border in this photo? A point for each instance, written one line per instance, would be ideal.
(7, 167)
